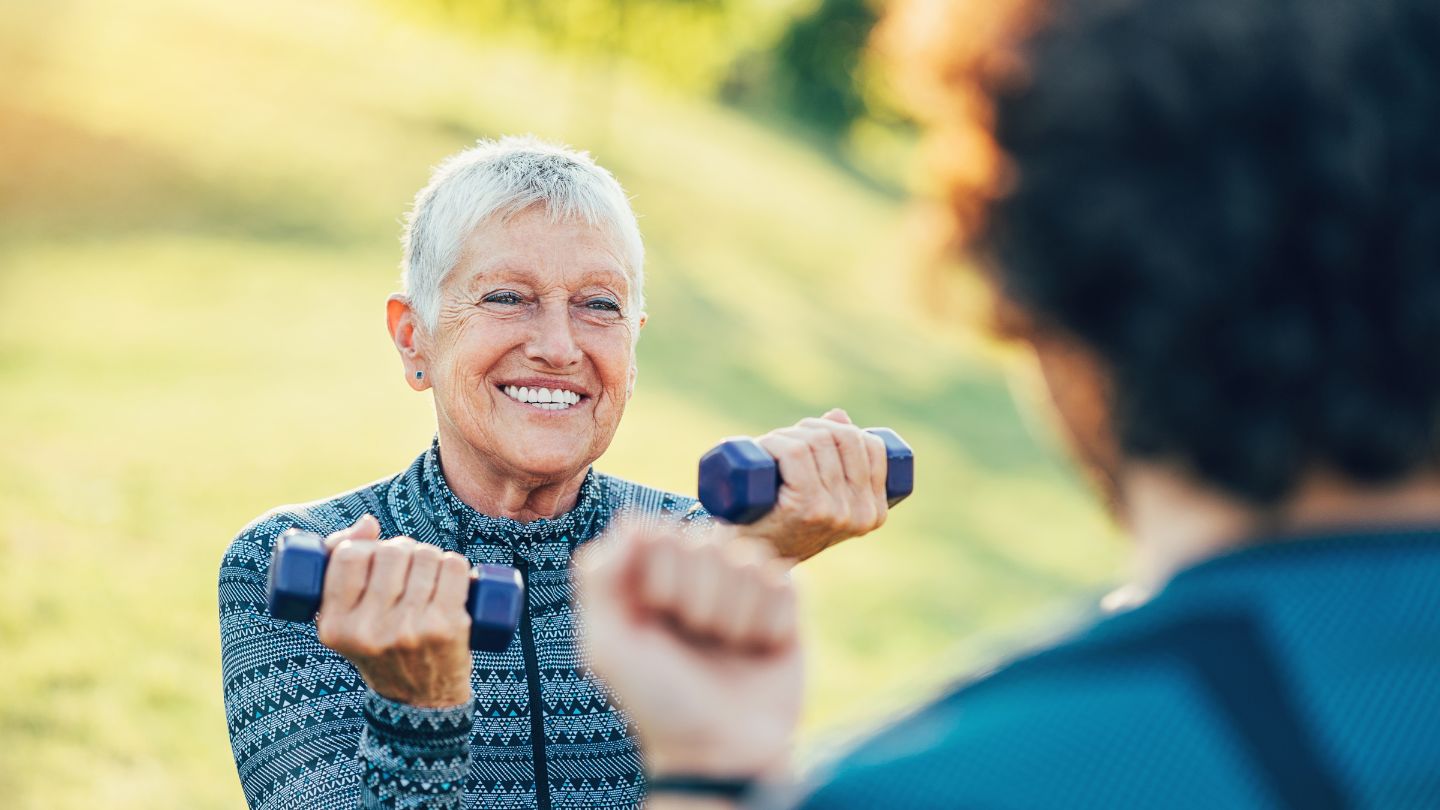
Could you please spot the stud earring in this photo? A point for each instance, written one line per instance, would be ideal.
(419, 375)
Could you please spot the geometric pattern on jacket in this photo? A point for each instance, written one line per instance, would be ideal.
(541, 730)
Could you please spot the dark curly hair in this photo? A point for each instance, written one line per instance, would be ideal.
(1236, 205)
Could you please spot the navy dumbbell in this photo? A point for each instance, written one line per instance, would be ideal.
(739, 481)
(297, 579)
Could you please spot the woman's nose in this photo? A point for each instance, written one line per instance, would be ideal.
(553, 341)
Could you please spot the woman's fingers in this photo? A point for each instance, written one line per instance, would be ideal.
(347, 572)
(745, 584)
(720, 589)
(778, 614)
(879, 464)
(702, 579)
(793, 459)
(388, 572)
(819, 436)
(860, 493)
(659, 574)
(452, 582)
(445, 616)
(723, 587)
(421, 580)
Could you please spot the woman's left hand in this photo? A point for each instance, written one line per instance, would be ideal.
(833, 486)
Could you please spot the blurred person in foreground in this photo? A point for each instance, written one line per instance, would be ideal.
(521, 311)
(1217, 225)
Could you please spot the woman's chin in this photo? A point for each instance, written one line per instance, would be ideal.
(532, 461)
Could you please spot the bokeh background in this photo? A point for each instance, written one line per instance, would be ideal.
(199, 209)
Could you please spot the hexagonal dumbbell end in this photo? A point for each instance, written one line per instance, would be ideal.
(738, 480)
(495, 604)
(297, 582)
(899, 465)
(297, 575)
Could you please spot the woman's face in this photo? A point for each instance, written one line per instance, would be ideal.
(532, 358)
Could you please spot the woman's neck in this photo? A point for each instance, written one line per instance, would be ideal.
(1176, 523)
(502, 492)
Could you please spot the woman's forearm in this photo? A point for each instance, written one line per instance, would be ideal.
(306, 732)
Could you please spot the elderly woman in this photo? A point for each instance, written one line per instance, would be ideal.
(1217, 229)
(522, 306)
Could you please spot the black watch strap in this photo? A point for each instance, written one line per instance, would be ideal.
(700, 786)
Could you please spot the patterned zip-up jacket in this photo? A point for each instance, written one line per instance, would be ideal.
(542, 732)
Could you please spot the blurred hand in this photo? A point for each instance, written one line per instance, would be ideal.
(396, 610)
(698, 640)
(833, 488)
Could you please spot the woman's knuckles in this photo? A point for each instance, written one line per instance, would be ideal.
(407, 641)
(352, 551)
(394, 552)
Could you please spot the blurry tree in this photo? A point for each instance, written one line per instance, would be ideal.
(817, 63)
(689, 42)
(801, 62)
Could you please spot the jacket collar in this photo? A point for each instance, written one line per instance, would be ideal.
(424, 500)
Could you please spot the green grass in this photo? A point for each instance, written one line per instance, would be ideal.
(199, 203)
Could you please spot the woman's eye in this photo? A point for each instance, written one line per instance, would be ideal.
(508, 298)
(604, 304)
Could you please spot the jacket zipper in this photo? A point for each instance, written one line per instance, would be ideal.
(532, 680)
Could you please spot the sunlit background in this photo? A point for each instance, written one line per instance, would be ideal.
(199, 209)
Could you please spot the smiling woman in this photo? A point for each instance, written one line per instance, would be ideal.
(520, 313)
(521, 308)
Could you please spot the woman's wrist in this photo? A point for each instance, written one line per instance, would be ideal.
(675, 788)
(719, 763)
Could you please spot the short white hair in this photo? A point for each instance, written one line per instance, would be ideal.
(501, 178)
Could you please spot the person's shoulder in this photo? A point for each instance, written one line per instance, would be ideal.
(624, 496)
(1110, 717)
(252, 546)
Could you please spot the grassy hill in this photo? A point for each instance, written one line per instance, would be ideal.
(199, 205)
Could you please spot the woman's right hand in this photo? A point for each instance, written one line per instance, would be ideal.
(396, 610)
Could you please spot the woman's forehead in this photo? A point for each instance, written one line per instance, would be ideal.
(582, 270)
(535, 249)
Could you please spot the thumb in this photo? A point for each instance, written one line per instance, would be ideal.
(838, 415)
(600, 566)
(366, 528)
(605, 572)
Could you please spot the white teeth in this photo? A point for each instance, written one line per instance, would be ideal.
(549, 399)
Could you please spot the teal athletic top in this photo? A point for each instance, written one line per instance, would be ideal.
(1295, 674)
(542, 731)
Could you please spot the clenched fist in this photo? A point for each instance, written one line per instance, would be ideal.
(699, 641)
(396, 610)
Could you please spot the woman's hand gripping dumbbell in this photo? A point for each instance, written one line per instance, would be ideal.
(808, 486)
(406, 614)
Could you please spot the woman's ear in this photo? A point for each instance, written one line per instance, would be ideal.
(408, 337)
(635, 367)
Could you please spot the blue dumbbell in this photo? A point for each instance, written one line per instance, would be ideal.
(739, 481)
(297, 580)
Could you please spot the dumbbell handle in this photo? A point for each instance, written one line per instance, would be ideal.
(297, 580)
(740, 482)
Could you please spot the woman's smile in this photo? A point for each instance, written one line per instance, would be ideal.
(552, 396)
